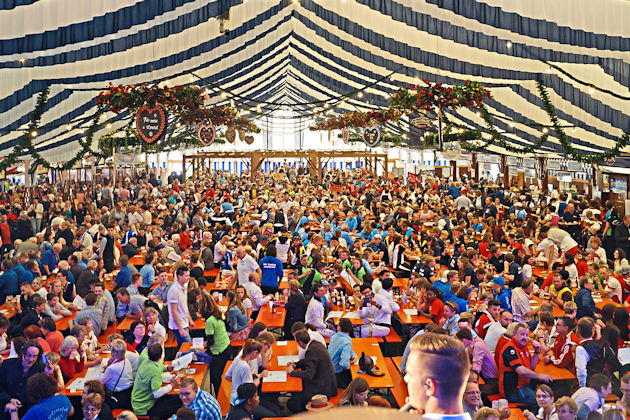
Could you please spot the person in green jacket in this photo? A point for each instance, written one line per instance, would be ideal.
(149, 397)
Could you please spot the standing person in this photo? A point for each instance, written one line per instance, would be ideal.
(437, 371)
(148, 273)
(178, 314)
(217, 339)
(584, 299)
(272, 271)
(295, 307)
(341, 353)
(316, 370)
(245, 265)
(516, 368)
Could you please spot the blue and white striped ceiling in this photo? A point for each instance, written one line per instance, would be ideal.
(290, 52)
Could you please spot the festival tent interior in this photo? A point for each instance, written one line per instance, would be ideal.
(288, 63)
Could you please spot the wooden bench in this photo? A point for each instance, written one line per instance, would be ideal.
(391, 344)
(399, 391)
(223, 396)
(334, 400)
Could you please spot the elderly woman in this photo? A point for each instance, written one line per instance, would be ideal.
(72, 361)
(118, 376)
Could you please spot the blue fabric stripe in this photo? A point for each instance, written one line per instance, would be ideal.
(110, 23)
(36, 86)
(602, 111)
(535, 28)
(12, 4)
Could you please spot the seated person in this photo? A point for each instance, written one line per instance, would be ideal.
(591, 397)
(148, 396)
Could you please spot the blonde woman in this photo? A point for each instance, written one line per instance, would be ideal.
(152, 321)
(238, 318)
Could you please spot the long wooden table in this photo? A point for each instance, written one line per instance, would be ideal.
(271, 319)
(370, 347)
(292, 384)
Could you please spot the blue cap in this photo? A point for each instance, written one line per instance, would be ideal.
(499, 280)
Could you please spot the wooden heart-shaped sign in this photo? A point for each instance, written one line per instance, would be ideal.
(151, 123)
(249, 139)
(230, 135)
(372, 135)
(345, 135)
(206, 133)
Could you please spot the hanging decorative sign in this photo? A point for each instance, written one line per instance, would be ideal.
(610, 161)
(230, 135)
(372, 135)
(241, 135)
(553, 165)
(574, 166)
(529, 162)
(206, 133)
(151, 123)
(511, 161)
(345, 135)
(249, 139)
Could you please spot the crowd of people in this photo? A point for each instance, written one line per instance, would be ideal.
(505, 280)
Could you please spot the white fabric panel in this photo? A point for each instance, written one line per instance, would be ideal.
(599, 16)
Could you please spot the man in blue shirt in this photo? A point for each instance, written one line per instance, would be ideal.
(8, 281)
(351, 221)
(148, 272)
(205, 406)
(341, 353)
(51, 258)
(123, 278)
(272, 271)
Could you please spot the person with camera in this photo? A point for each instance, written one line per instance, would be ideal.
(376, 313)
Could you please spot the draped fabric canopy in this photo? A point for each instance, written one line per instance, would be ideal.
(290, 51)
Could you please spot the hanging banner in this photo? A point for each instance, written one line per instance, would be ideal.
(206, 133)
(151, 123)
(574, 166)
(372, 135)
(618, 185)
(529, 162)
(345, 135)
(511, 160)
(249, 139)
(553, 165)
(230, 135)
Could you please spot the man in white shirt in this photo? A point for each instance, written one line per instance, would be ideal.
(219, 250)
(315, 311)
(255, 293)
(613, 287)
(244, 267)
(376, 313)
(497, 329)
(179, 317)
(563, 240)
(586, 347)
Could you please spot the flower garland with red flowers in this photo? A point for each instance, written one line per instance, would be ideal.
(437, 95)
(358, 119)
(186, 102)
(406, 101)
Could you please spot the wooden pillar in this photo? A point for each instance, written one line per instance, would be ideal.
(506, 172)
(475, 166)
(544, 173)
(183, 166)
(386, 166)
(454, 169)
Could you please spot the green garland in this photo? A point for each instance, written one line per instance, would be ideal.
(564, 140)
(25, 141)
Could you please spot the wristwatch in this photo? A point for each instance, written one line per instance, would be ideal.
(12, 410)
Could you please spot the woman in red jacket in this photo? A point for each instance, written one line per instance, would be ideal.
(72, 358)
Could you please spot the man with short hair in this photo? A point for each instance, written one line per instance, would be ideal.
(481, 357)
(497, 329)
(588, 355)
(149, 397)
(521, 307)
(246, 401)
(437, 372)
(179, 317)
(516, 369)
(129, 306)
(91, 312)
(625, 391)
(30, 316)
(205, 406)
(487, 318)
(316, 370)
(245, 265)
(591, 398)
(315, 311)
(561, 354)
(433, 308)
(584, 299)
(341, 353)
